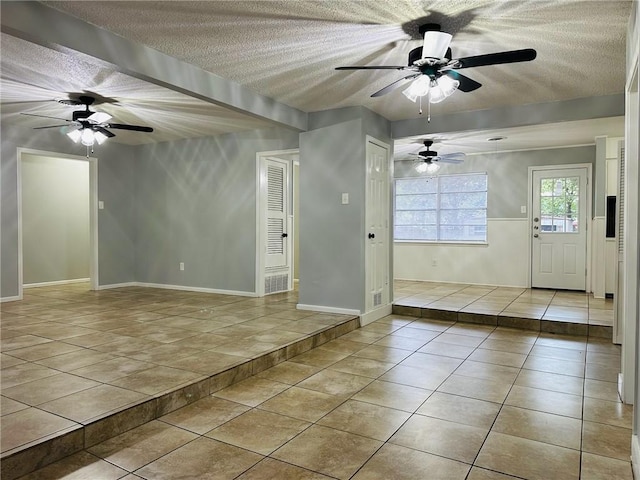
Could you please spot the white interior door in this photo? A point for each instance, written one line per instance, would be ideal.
(559, 228)
(277, 241)
(377, 222)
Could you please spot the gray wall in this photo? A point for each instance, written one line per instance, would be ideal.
(55, 219)
(508, 174)
(332, 162)
(196, 203)
(115, 184)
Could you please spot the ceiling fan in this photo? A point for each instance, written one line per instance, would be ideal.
(427, 158)
(86, 126)
(434, 71)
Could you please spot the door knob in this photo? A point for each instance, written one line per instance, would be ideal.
(535, 235)
(284, 235)
(372, 235)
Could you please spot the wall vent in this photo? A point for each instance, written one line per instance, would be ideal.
(276, 283)
(377, 299)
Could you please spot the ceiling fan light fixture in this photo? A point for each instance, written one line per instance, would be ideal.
(87, 138)
(427, 166)
(99, 137)
(418, 88)
(442, 88)
(432, 167)
(75, 134)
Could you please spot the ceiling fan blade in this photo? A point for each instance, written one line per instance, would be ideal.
(49, 126)
(511, 56)
(122, 126)
(466, 84)
(394, 85)
(45, 116)
(374, 67)
(450, 160)
(104, 131)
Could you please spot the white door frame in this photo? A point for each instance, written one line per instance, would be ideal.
(386, 306)
(93, 211)
(589, 168)
(286, 155)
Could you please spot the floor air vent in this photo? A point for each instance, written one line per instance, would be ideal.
(276, 283)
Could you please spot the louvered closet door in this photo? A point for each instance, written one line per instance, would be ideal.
(277, 244)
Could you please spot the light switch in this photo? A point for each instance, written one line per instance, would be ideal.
(345, 199)
(100, 205)
(523, 209)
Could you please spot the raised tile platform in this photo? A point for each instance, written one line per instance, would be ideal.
(549, 311)
(81, 367)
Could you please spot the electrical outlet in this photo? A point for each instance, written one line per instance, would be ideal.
(182, 266)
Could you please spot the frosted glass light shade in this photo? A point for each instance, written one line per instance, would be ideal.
(432, 167)
(87, 138)
(418, 88)
(427, 167)
(75, 135)
(442, 88)
(100, 137)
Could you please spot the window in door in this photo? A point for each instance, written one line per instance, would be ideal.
(559, 205)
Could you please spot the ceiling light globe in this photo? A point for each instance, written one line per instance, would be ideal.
(422, 167)
(75, 135)
(99, 137)
(432, 167)
(87, 138)
(418, 88)
(442, 88)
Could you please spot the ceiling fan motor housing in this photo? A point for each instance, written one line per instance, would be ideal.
(81, 114)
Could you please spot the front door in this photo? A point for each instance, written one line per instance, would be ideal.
(559, 228)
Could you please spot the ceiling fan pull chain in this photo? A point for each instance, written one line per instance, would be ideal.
(420, 104)
(429, 108)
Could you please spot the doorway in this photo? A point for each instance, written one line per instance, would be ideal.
(57, 219)
(560, 203)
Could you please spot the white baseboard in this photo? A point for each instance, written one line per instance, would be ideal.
(56, 282)
(117, 285)
(323, 309)
(196, 289)
(635, 456)
(373, 315)
(10, 299)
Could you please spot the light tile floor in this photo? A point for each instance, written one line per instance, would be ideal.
(400, 398)
(540, 304)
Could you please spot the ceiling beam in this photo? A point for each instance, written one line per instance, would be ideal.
(514, 116)
(43, 25)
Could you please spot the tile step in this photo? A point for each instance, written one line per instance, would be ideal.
(536, 325)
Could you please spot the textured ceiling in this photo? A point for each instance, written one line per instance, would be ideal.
(288, 51)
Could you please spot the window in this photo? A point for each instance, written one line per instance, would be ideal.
(559, 204)
(447, 208)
